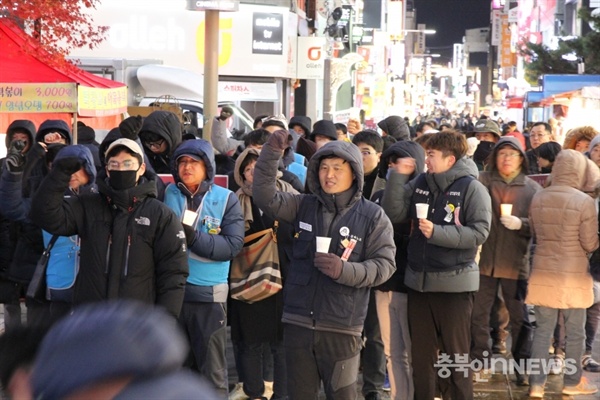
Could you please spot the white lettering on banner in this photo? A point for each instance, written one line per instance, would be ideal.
(268, 22)
(258, 45)
(137, 34)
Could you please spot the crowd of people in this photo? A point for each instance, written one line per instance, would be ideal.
(443, 238)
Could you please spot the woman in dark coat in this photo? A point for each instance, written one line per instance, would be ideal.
(256, 325)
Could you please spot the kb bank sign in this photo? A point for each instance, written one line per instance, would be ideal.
(311, 57)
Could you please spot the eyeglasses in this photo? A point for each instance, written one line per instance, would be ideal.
(156, 144)
(508, 155)
(126, 165)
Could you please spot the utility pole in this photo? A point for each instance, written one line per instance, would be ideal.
(211, 55)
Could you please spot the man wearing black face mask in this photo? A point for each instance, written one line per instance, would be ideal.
(132, 245)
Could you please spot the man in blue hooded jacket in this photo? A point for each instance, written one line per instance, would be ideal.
(214, 227)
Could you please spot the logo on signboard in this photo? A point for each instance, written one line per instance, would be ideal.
(314, 53)
(226, 39)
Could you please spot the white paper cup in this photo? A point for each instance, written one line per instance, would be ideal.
(422, 209)
(323, 244)
(189, 218)
(505, 209)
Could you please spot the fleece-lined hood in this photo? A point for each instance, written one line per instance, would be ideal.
(403, 149)
(344, 150)
(20, 125)
(85, 157)
(198, 149)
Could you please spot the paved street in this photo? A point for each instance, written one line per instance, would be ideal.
(499, 387)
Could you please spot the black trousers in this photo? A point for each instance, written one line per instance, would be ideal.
(314, 356)
(521, 330)
(591, 326)
(372, 356)
(440, 322)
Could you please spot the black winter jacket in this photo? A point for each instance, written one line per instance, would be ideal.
(132, 245)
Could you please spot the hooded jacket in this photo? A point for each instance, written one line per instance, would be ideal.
(54, 125)
(312, 299)
(505, 253)
(475, 212)
(304, 122)
(396, 127)
(21, 125)
(564, 222)
(132, 245)
(63, 265)
(216, 249)
(167, 126)
(401, 229)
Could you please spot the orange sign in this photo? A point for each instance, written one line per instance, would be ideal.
(507, 57)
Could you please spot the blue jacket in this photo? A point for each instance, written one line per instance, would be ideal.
(218, 248)
(16, 208)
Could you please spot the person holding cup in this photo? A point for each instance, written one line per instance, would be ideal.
(326, 294)
(504, 261)
(441, 273)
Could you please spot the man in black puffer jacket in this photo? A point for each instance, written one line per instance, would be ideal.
(132, 245)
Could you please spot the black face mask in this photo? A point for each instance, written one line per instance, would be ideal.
(121, 180)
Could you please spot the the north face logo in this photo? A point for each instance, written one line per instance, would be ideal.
(143, 221)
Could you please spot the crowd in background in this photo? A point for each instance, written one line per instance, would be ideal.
(140, 220)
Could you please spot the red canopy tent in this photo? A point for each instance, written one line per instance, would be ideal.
(32, 89)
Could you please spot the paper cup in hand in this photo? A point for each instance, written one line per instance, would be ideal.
(189, 218)
(323, 244)
(505, 209)
(422, 209)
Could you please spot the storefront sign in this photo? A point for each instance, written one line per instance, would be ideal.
(213, 5)
(311, 57)
(97, 102)
(249, 91)
(267, 33)
(38, 97)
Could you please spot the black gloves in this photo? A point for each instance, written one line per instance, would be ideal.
(190, 234)
(130, 127)
(15, 162)
(67, 165)
(329, 264)
(279, 140)
(226, 112)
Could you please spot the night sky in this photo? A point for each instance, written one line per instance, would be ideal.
(450, 19)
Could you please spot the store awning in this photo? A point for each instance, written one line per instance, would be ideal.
(589, 92)
(515, 102)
